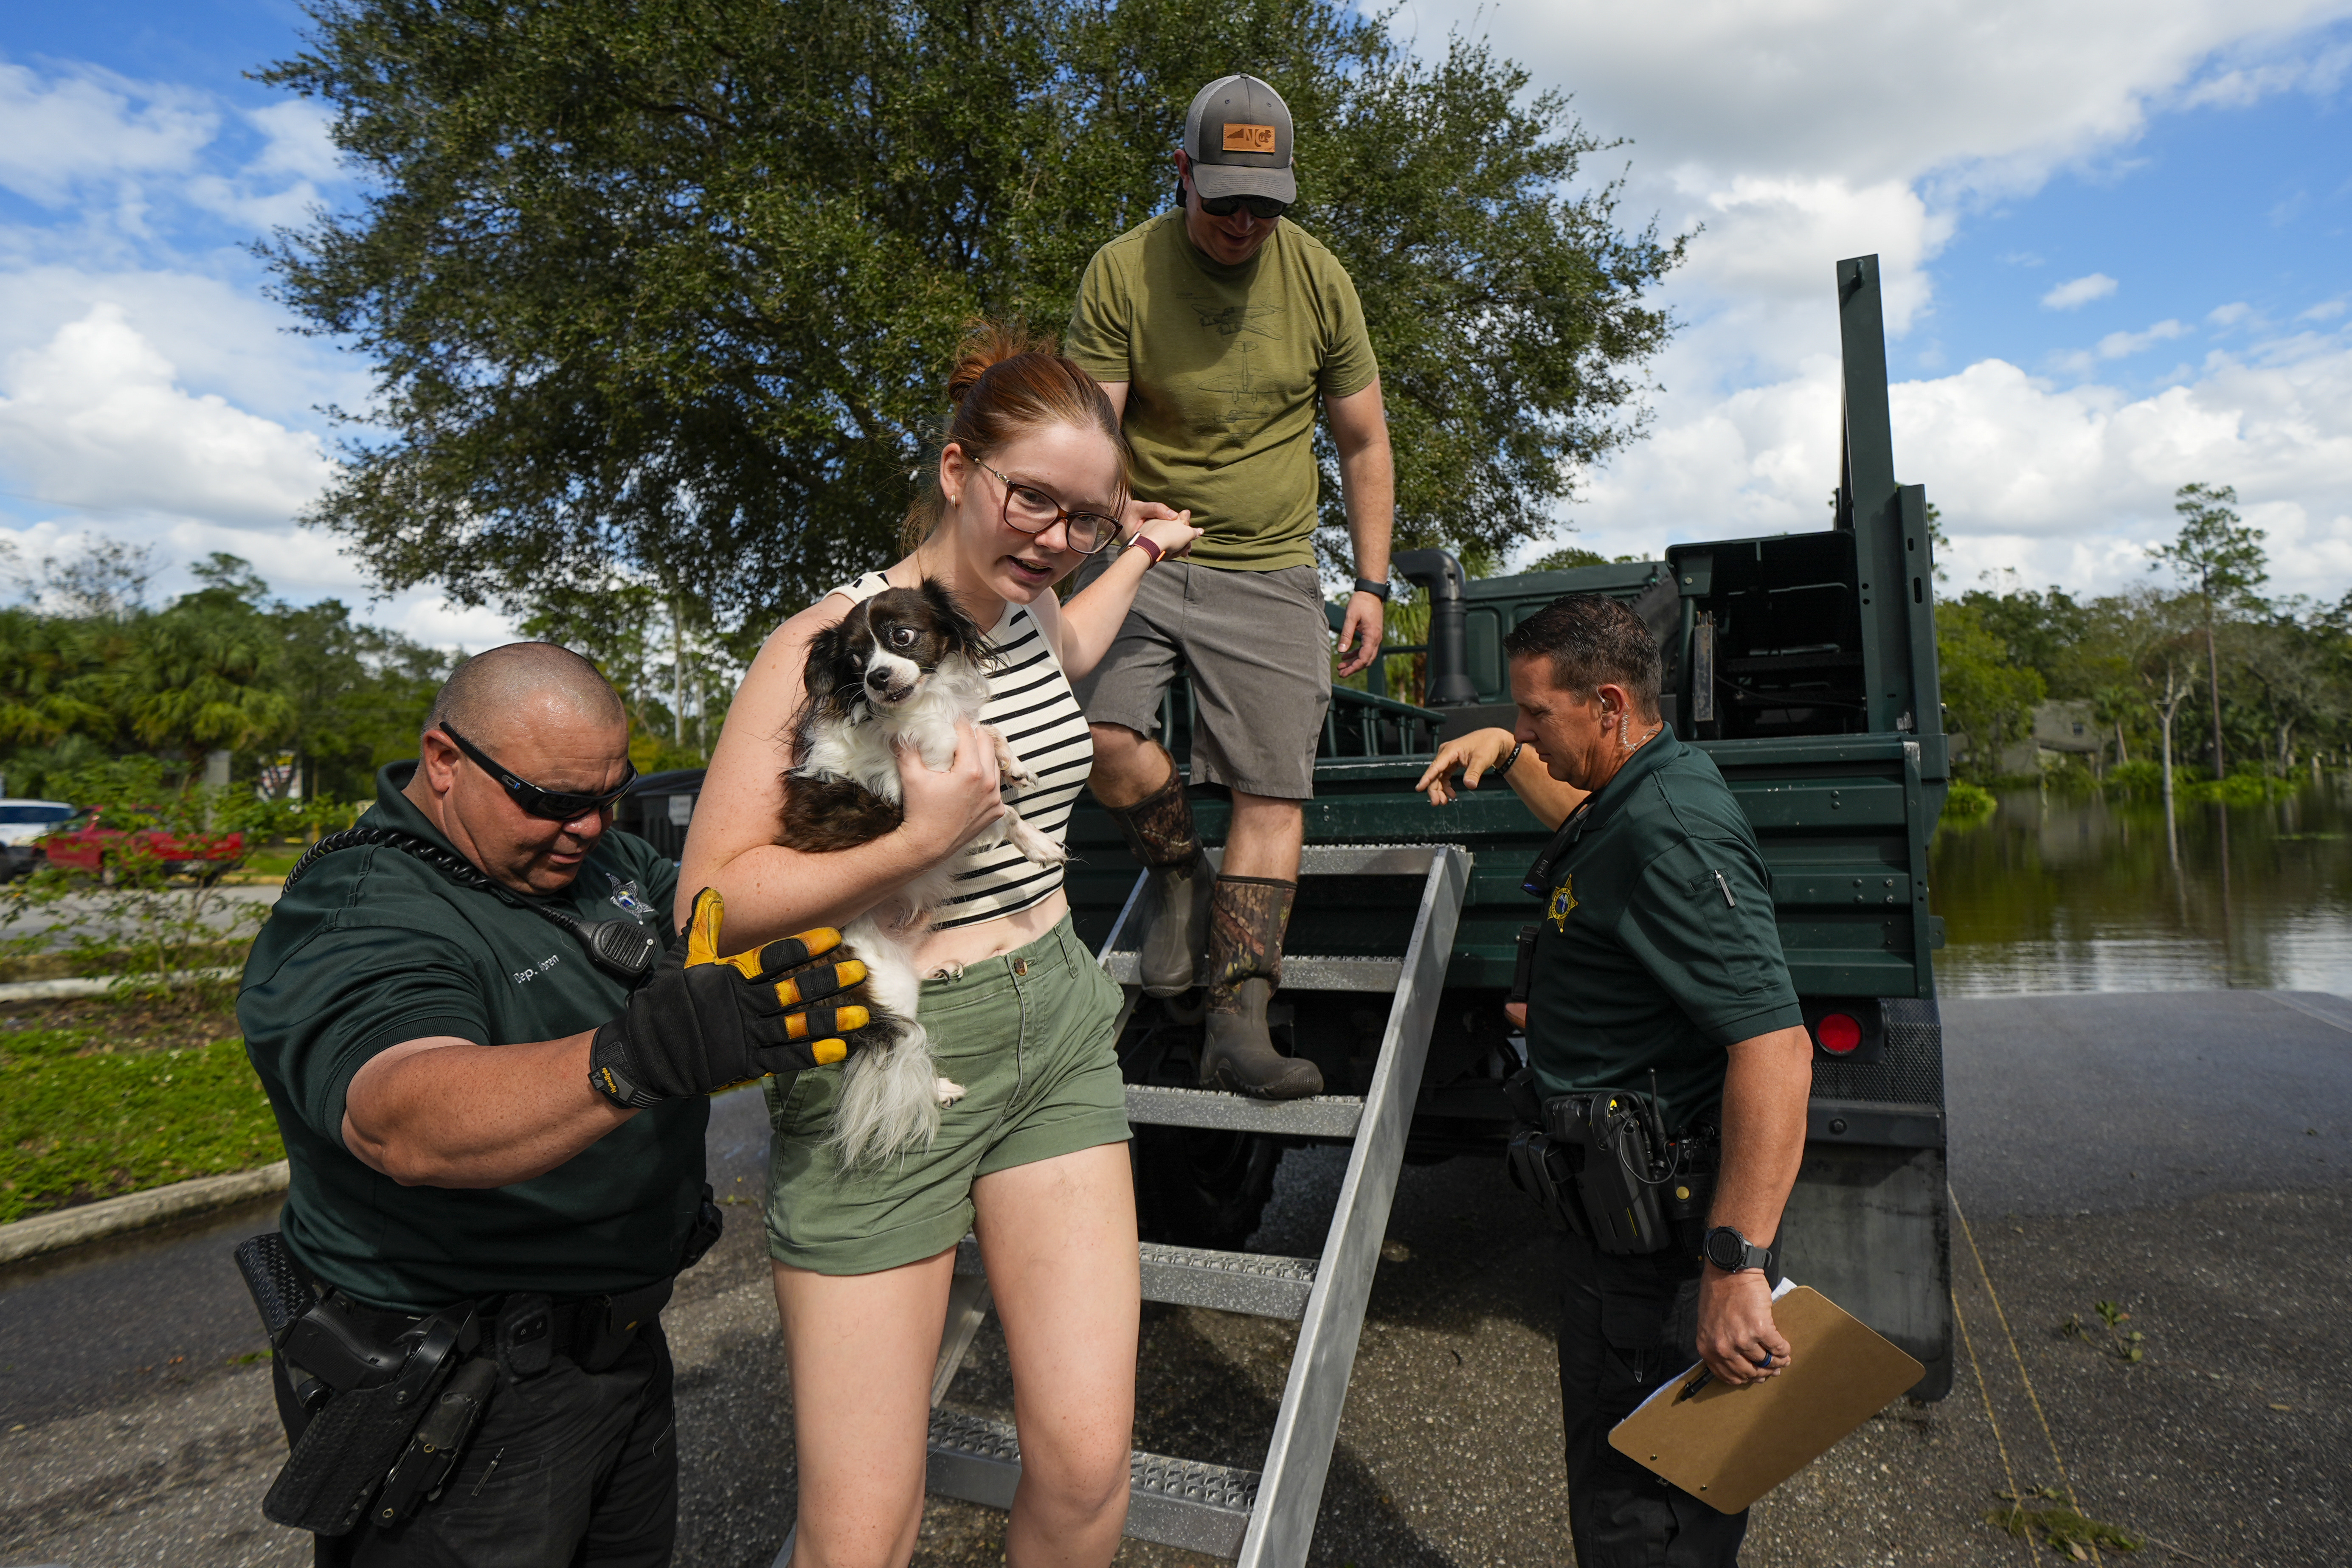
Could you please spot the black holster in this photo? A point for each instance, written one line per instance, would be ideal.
(1600, 1166)
(366, 1393)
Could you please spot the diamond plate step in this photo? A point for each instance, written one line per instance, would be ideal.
(1259, 1284)
(1175, 1503)
(1300, 971)
(1323, 1116)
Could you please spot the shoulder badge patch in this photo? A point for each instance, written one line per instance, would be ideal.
(1563, 899)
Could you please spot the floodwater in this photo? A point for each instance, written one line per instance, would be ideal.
(2056, 892)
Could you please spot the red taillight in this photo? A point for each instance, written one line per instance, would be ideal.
(1838, 1033)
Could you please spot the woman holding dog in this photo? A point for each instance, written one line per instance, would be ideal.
(1031, 478)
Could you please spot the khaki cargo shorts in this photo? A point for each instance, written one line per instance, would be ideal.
(1259, 647)
(1028, 1034)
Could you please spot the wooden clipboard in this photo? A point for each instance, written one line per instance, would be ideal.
(1727, 1447)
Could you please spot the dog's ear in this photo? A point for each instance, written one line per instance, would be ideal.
(829, 656)
(962, 633)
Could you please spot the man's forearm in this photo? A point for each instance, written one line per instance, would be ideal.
(449, 1113)
(1764, 1094)
(1368, 489)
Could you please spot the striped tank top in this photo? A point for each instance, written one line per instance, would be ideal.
(1030, 701)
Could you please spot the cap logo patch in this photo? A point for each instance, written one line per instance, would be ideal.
(1249, 138)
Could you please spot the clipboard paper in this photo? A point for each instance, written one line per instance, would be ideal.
(1727, 1447)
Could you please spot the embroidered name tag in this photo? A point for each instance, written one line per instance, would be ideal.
(1249, 138)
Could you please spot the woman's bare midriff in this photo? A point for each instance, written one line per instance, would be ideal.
(970, 943)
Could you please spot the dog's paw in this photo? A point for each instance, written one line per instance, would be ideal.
(1018, 776)
(950, 971)
(949, 1091)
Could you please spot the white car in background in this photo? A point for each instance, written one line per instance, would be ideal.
(23, 824)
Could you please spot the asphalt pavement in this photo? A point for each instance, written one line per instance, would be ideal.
(2185, 1158)
(83, 917)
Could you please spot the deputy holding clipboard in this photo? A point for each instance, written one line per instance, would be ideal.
(1670, 1062)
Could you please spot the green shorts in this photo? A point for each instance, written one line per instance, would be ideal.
(1028, 1034)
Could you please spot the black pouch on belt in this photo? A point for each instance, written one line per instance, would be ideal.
(1618, 1177)
(608, 1323)
(525, 1340)
(709, 1224)
(1539, 1165)
(350, 1445)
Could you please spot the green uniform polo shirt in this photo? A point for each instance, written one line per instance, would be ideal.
(1223, 366)
(1657, 947)
(373, 946)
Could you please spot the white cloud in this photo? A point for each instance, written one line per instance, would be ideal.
(2063, 486)
(298, 140)
(2123, 345)
(96, 419)
(58, 132)
(1801, 130)
(2120, 346)
(219, 335)
(2078, 292)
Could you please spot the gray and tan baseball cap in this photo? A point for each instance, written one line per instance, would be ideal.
(1238, 134)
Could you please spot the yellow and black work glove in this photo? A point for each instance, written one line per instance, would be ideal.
(704, 1021)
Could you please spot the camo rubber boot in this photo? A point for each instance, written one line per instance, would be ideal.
(1246, 918)
(1175, 914)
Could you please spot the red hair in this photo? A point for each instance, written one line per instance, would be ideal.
(1005, 384)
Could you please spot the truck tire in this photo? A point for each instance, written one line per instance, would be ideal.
(1198, 1186)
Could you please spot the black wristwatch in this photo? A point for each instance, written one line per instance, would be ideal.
(1379, 590)
(1730, 1252)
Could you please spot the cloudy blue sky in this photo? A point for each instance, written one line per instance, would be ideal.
(2117, 237)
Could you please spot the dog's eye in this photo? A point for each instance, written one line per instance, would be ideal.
(902, 636)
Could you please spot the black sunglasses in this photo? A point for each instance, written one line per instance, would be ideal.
(549, 805)
(1264, 208)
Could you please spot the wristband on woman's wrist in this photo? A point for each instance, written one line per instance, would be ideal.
(1150, 547)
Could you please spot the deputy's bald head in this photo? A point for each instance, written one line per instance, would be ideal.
(525, 685)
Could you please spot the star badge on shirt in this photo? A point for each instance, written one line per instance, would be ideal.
(1563, 899)
(628, 900)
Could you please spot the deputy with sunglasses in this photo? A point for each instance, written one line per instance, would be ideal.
(492, 1087)
(1217, 330)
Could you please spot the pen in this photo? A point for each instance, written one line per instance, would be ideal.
(1706, 1375)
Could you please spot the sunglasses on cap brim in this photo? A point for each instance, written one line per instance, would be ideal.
(548, 805)
(1258, 206)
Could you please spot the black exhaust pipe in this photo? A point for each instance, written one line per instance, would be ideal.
(1449, 682)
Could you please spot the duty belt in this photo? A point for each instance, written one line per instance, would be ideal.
(1601, 1166)
(386, 1400)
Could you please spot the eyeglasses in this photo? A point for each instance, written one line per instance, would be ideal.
(1264, 208)
(548, 805)
(1030, 510)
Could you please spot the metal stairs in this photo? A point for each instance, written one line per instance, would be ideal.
(1262, 1518)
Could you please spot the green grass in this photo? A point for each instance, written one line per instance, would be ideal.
(1967, 805)
(79, 1121)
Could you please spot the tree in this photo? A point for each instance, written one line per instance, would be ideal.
(1990, 694)
(666, 287)
(2217, 557)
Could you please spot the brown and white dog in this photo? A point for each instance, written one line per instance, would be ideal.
(897, 671)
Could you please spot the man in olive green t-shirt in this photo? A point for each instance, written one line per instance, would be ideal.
(1216, 329)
